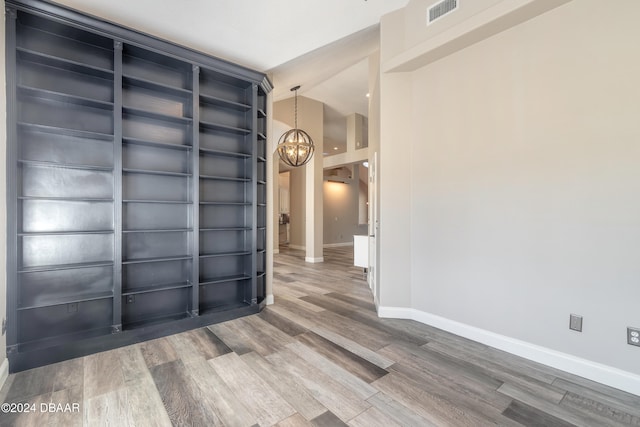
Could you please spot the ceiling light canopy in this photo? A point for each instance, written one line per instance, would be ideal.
(295, 146)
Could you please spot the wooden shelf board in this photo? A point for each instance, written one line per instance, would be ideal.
(66, 131)
(154, 320)
(157, 287)
(153, 115)
(49, 95)
(228, 254)
(208, 99)
(217, 280)
(156, 172)
(64, 267)
(224, 178)
(130, 80)
(63, 233)
(158, 230)
(68, 300)
(224, 128)
(62, 63)
(156, 144)
(44, 164)
(226, 229)
(224, 153)
(66, 199)
(155, 259)
(165, 202)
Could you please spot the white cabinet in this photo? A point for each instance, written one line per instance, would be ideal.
(361, 251)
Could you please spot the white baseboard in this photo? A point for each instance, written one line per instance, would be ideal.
(594, 371)
(396, 313)
(276, 251)
(337, 245)
(314, 260)
(4, 371)
(270, 299)
(299, 248)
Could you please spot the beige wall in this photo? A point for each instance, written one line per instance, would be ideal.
(395, 180)
(523, 154)
(303, 217)
(297, 208)
(283, 185)
(363, 197)
(340, 212)
(311, 119)
(341, 209)
(283, 112)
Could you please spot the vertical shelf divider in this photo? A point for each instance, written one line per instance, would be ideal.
(12, 182)
(117, 189)
(195, 188)
(253, 297)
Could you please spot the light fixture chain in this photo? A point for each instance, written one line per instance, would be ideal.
(295, 102)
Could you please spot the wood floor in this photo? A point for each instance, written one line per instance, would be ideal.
(318, 357)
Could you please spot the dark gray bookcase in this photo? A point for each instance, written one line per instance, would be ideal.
(136, 186)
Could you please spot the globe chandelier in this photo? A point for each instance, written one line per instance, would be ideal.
(295, 146)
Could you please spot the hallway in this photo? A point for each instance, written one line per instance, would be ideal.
(320, 356)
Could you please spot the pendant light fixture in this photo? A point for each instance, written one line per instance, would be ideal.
(295, 146)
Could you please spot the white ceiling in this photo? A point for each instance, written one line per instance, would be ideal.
(258, 34)
(320, 45)
(343, 94)
(335, 74)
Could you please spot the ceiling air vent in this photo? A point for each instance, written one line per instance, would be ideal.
(441, 9)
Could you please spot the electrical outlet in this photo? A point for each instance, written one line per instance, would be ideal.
(575, 322)
(633, 336)
(131, 299)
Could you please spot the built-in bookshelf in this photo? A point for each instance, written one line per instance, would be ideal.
(138, 202)
(157, 187)
(225, 175)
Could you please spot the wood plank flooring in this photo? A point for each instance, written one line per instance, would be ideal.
(318, 357)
